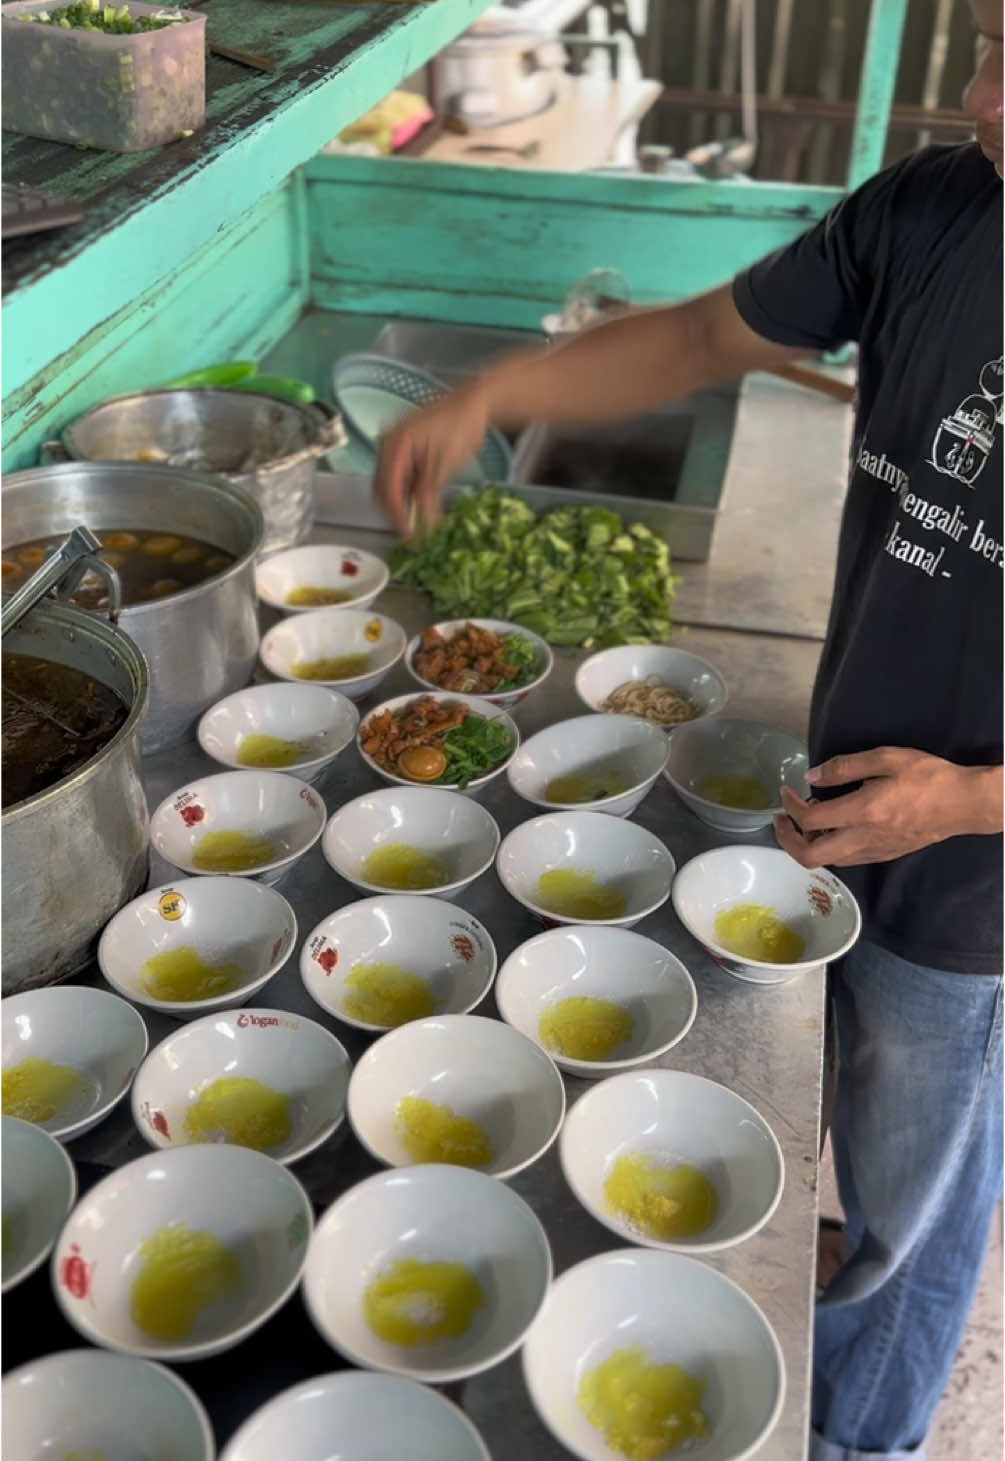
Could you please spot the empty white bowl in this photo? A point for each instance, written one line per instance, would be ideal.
(675, 1119)
(622, 750)
(332, 633)
(677, 1311)
(39, 1187)
(479, 1068)
(601, 674)
(265, 805)
(291, 1055)
(475, 706)
(729, 747)
(225, 920)
(617, 853)
(444, 946)
(318, 720)
(428, 1214)
(238, 1198)
(815, 905)
(361, 576)
(97, 1035)
(613, 964)
(367, 1417)
(452, 828)
(87, 1403)
(503, 700)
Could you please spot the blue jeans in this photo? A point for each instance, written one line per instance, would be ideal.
(917, 1138)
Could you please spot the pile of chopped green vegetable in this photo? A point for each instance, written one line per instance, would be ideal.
(113, 20)
(574, 575)
(472, 749)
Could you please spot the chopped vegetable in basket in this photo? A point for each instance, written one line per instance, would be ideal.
(113, 20)
(574, 575)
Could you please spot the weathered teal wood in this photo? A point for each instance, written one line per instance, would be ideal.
(236, 297)
(156, 210)
(876, 87)
(499, 247)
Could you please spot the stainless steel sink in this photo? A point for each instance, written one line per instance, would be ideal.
(451, 352)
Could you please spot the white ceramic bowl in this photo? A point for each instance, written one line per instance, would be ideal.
(98, 1035)
(729, 747)
(88, 1403)
(428, 1214)
(614, 964)
(320, 720)
(675, 1119)
(321, 565)
(475, 706)
(286, 1052)
(279, 809)
(619, 854)
(367, 1417)
(678, 1311)
(39, 1187)
(445, 946)
(603, 672)
(630, 751)
(814, 904)
(479, 1068)
(246, 1201)
(451, 827)
(331, 633)
(507, 699)
(226, 920)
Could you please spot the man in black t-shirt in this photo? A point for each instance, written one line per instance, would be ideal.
(906, 720)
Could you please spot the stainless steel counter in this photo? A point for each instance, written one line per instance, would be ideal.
(765, 1043)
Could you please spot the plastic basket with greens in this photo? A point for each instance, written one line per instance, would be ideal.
(574, 575)
(437, 740)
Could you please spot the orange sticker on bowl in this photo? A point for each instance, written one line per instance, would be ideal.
(373, 631)
(171, 905)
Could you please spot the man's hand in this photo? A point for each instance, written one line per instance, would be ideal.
(907, 800)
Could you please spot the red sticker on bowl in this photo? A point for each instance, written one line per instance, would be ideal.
(350, 566)
(75, 1273)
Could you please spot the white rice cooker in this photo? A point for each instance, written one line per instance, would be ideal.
(501, 70)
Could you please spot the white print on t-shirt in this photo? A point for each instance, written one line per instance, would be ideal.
(963, 441)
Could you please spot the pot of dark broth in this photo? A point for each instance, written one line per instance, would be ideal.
(184, 547)
(75, 838)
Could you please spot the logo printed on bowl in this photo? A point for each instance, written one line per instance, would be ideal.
(191, 815)
(350, 565)
(157, 1120)
(171, 905)
(324, 953)
(820, 899)
(266, 1022)
(277, 946)
(463, 947)
(75, 1274)
(308, 796)
(373, 631)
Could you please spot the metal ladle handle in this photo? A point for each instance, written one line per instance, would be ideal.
(63, 571)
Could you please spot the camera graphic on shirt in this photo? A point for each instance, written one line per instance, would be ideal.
(964, 441)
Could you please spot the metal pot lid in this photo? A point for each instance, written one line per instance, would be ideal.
(373, 394)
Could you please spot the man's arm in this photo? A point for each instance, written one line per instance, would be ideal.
(632, 364)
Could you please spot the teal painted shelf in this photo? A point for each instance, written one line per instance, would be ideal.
(148, 212)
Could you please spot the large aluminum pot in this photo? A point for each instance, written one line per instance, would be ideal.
(267, 446)
(200, 644)
(76, 852)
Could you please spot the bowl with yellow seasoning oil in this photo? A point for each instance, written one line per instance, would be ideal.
(761, 916)
(411, 839)
(585, 867)
(460, 1089)
(301, 729)
(349, 650)
(182, 1254)
(318, 576)
(259, 1078)
(598, 1000)
(434, 1272)
(251, 824)
(596, 763)
(381, 962)
(730, 772)
(69, 1056)
(647, 1355)
(39, 1187)
(672, 1160)
(197, 945)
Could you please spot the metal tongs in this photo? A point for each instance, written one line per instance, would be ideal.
(61, 574)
